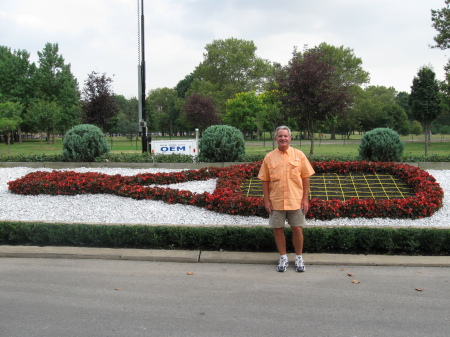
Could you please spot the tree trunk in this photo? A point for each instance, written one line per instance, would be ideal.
(8, 142)
(311, 150)
(333, 132)
(273, 138)
(310, 129)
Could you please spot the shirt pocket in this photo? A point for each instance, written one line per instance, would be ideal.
(274, 170)
(294, 170)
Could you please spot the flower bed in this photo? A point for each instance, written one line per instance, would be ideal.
(228, 198)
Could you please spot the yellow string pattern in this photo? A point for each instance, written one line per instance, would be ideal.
(328, 186)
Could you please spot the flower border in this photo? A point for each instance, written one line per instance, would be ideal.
(228, 198)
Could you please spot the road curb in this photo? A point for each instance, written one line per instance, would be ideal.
(195, 256)
(99, 253)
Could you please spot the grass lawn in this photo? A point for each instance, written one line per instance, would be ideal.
(351, 149)
(413, 146)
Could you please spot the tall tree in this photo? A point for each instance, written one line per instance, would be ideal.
(442, 123)
(250, 112)
(55, 83)
(51, 65)
(369, 107)
(349, 69)
(271, 116)
(16, 80)
(200, 111)
(368, 111)
(163, 110)
(242, 112)
(99, 105)
(44, 116)
(184, 85)
(10, 118)
(230, 66)
(127, 116)
(311, 90)
(7, 126)
(396, 119)
(347, 66)
(348, 123)
(402, 99)
(441, 22)
(16, 75)
(233, 62)
(424, 100)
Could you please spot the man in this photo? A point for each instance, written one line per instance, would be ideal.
(285, 176)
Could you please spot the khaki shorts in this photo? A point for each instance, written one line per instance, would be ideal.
(294, 218)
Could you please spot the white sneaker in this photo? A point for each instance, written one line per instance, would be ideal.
(282, 264)
(299, 264)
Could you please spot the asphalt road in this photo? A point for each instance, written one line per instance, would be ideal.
(72, 297)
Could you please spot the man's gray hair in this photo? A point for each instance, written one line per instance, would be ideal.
(282, 127)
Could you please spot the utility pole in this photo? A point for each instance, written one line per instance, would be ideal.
(141, 80)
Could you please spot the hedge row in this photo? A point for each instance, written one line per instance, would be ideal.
(347, 240)
(182, 158)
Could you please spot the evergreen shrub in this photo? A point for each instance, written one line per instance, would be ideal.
(381, 144)
(221, 143)
(343, 240)
(83, 143)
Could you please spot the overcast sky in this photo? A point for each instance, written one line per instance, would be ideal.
(392, 37)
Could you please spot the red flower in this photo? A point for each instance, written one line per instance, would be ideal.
(228, 198)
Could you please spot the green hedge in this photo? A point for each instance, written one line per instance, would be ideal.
(182, 158)
(346, 240)
(32, 158)
(162, 158)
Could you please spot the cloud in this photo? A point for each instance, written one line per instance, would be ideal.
(391, 37)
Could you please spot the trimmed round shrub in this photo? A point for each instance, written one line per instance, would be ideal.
(83, 143)
(381, 144)
(221, 143)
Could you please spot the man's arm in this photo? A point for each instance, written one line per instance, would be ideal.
(267, 202)
(305, 199)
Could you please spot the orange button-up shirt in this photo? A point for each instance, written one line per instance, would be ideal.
(285, 171)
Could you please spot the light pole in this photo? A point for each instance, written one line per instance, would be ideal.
(141, 80)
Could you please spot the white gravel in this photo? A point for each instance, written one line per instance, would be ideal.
(109, 209)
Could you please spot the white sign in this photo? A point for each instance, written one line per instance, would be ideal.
(188, 146)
